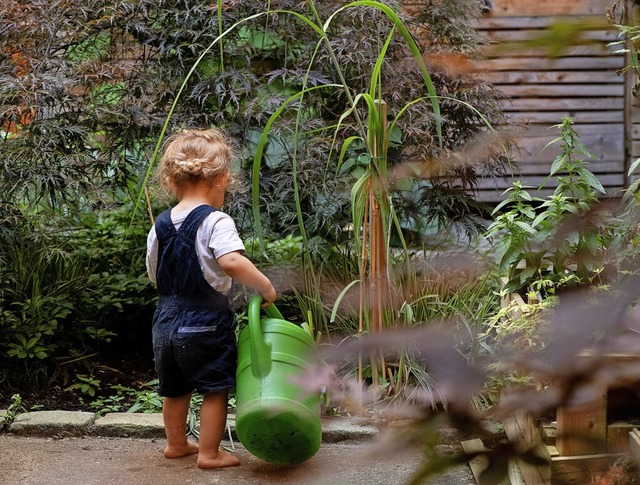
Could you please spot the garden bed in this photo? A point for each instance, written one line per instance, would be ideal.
(129, 373)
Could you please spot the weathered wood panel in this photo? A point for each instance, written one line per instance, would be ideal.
(572, 104)
(580, 470)
(564, 90)
(610, 181)
(523, 50)
(553, 77)
(509, 33)
(604, 148)
(544, 63)
(584, 82)
(552, 117)
(525, 21)
(548, 7)
(525, 436)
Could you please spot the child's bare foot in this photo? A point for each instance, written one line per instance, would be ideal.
(220, 459)
(187, 449)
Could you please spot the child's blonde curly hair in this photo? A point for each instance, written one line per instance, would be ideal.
(193, 156)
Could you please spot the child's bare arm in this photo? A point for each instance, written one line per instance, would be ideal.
(243, 271)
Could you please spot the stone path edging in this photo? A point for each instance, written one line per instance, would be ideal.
(59, 424)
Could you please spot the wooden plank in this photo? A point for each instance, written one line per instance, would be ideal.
(618, 437)
(524, 435)
(549, 434)
(540, 10)
(522, 49)
(554, 117)
(607, 180)
(515, 474)
(536, 167)
(580, 470)
(573, 104)
(634, 446)
(562, 90)
(497, 195)
(635, 149)
(583, 129)
(520, 34)
(552, 77)
(548, 7)
(604, 63)
(582, 426)
(532, 148)
(480, 463)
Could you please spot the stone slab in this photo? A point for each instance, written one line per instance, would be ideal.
(52, 423)
(132, 425)
(338, 429)
(150, 425)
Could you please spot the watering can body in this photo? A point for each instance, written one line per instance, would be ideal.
(277, 417)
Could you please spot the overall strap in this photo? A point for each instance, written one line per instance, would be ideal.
(164, 226)
(181, 283)
(189, 227)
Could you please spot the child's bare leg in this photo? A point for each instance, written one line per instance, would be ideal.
(213, 418)
(174, 415)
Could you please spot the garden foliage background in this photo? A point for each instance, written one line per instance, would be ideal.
(90, 88)
(86, 88)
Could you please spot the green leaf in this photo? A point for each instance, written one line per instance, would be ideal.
(343, 151)
(527, 273)
(633, 167)
(336, 305)
(525, 227)
(557, 164)
(500, 206)
(541, 217)
(591, 241)
(592, 180)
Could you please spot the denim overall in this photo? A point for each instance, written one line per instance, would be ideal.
(194, 341)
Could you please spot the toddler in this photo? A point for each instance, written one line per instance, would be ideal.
(193, 254)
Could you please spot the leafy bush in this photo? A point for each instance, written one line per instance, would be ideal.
(560, 240)
(67, 293)
(40, 307)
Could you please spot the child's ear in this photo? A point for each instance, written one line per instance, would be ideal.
(224, 180)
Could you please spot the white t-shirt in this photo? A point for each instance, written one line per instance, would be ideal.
(217, 236)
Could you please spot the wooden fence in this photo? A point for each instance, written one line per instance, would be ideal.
(584, 82)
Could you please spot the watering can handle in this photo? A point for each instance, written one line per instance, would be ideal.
(260, 349)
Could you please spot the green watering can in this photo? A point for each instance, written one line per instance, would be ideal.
(277, 420)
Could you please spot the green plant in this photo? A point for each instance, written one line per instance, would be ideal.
(12, 412)
(563, 238)
(147, 399)
(71, 293)
(373, 215)
(193, 417)
(86, 384)
(109, 404)
(43, 287)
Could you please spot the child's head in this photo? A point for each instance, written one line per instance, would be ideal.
(195, 156)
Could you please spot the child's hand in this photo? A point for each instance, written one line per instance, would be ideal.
(268, 297)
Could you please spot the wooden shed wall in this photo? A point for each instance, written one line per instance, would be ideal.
(583, 82)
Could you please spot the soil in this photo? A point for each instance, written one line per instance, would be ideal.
(130, 373)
